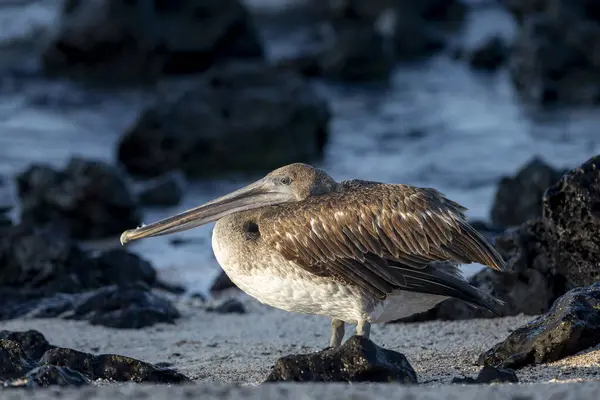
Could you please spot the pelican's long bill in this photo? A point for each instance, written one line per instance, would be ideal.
(258, 194)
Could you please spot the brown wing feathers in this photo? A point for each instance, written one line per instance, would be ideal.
(409, 224)
(370, 234)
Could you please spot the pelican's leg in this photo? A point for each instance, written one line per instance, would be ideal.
(337, 332)
(363, 328)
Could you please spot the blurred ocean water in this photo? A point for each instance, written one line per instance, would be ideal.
(437, 124)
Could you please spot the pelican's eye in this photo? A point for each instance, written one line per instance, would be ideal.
(286, 180)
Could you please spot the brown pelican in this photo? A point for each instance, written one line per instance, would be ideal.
(359, 252)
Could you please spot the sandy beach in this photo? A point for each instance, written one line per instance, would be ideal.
(561, 391)
(228, 356)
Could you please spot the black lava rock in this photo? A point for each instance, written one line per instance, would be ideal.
(420, 27)
(490, 375)
(530, 285)
(127, 306)
(67, 367)
(521, 9)
(572, 209)
(371, 10)
(121, 267)
(490, 55)
(110, 366)
(6, 204)
(555, 56)
(570, 326)
(182, 241)
(5, 221)
(229, 306)
(131, 306)
(13, 361)
(43, 274)
(222, 282)
(220, 124)
(519, 198)
(90, 197)
(46, 259)
(32, 343)
(355, 53)
(165, 191)
(357, 360)
(123, 41)
(49, 375)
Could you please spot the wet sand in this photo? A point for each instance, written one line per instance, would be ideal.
(228, 356)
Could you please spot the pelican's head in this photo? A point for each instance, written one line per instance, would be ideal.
(294, 182)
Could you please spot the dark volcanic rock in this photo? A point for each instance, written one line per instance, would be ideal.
(90, 197)
(43, 274)
(490, 375)
(571, 325)
(32, 343)
(18, 302)
(165, 191)
(182, 241)
(229, 306)
(572, 209)
(45, 259)
(530, 286)
(448, 310)
(560, 250)
(421, 27)
(356, 53)
(519, 198)
(5, 221)
(556, 55)
(222, 283)
(13, 361)
(110, 366)
(124, 41)
(357, 360)
(49, 375)
(121, 267)
(6, 204)
(418, 28)
(521, 9)
(247, 118)
(131, 306)
(426, 11)
(127, 306)
(358, 10)
(411, 42)
(67, 367)
(490, 55)
(446, 11)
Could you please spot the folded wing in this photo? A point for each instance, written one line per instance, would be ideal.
(381, 237)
